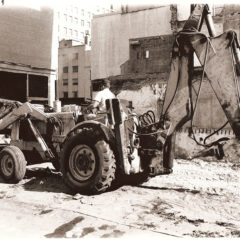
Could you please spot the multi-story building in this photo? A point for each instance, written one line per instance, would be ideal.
(74, 71)
(74, 19)
(74, 34)
(28, 52)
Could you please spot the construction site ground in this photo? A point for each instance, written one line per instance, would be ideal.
(199, 199)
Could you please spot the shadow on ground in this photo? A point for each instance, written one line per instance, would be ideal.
(44, 179)
(60, 232)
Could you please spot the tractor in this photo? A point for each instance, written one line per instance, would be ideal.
(94, 154)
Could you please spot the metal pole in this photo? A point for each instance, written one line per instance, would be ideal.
(209, 21)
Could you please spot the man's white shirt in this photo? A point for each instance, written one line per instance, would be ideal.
(101, 97)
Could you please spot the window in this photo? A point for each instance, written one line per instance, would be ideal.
(82, 23)
(65, 82)
(89, 14)
(65, 17)
(88, 24)
(82, 12)
(76, 33)
(70, 32)
(65, 94)
(82, 35)
(76, 20)
(147, 54)
(76, 10)
(75, 56)
(70, 19)
(65, 31)
(74, 81)
(75, 94)
(75, 68)
(65, 69)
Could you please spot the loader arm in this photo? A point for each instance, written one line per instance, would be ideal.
(219, 57)
(14, 114)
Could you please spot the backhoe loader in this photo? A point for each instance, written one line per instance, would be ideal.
(142, 144)
(93, 154)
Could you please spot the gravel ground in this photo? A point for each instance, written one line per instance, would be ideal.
(199, 199)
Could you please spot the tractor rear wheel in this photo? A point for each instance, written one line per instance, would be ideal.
(87, 162)
(12, 164)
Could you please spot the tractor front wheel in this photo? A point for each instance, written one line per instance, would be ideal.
(12, 164)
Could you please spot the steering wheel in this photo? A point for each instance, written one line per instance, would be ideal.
(88, 106)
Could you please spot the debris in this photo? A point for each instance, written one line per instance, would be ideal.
(77, 196)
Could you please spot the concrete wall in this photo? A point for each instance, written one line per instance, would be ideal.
(27, 36)
(111, 34)
(149, 55)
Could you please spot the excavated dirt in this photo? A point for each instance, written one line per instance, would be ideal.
(199, 199)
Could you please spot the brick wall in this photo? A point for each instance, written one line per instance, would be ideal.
(149, 55)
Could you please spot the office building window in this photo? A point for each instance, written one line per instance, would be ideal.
(70, 19)
(65, 94)
(75, 94)
(65, 31)
(89, 15)
(82, 35)
(65, 82)
(147, 54)
(70, 32)
(82, 12)
(82, 23)
(76, 33)
(76, 10)
(75, 81)
(65, 69)
(65, 17)
(75, 68)
(76, 20)
(75, 56)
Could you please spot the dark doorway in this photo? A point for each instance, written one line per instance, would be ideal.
(38, 86)
(13, 86)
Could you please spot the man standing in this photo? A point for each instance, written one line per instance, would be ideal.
(101, 96)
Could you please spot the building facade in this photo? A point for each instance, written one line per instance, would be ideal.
(74, 35)
(74, 71)
(28, 46)
(74, 19)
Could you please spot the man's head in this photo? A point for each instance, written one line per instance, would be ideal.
(105, 84)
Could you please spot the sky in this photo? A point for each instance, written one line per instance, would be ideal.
(93, 3)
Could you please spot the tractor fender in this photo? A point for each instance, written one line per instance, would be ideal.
(98, 127)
